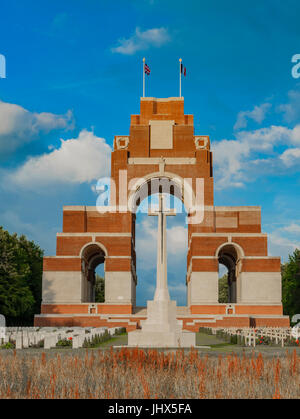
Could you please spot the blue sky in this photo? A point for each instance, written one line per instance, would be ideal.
(74, 77)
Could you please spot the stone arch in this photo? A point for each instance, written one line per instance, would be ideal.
(239, 249)
(166, 183)
(139, 189)
(229, 254)
(102, 247)
(92, 254)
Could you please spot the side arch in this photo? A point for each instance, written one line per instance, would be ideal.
(230, 255)
(92, 254)
(240, 251)
(102, 247)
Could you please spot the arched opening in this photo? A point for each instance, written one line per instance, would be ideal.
(229, 259)
(146, 200)
(93, 273)
(100, 284)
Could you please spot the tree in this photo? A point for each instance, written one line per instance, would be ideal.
(223, 289)
(99, 289)
(290, 272)
(20, 278)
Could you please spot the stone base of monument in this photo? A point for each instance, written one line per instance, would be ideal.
(161, 329)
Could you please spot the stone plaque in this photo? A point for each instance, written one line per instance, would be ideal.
(161, 135)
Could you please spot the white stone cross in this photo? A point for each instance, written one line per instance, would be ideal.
(161, 292)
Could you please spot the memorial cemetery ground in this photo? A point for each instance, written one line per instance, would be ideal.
(136, 373)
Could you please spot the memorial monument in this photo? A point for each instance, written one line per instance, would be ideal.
(162, 150)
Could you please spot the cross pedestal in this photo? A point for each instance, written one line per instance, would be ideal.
(161, 329)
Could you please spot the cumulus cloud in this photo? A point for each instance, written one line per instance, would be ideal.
(177, 241)
(273, 150)
(142, 40)
(77, 160)
(19, 126)
(281, 245)
(238, 161)
(292, 228)
(258, 114)
(291, 110)
(291, 157)
(146, 243)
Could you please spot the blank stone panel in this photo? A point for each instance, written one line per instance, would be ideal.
(161, 135)
(226, 222)
(249, 218)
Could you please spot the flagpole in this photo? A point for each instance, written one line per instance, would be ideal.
(144, 77)
(180, 60)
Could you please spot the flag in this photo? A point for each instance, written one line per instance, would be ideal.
(147, 69)
(183, 70)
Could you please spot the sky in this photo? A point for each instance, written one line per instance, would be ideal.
(74, 76)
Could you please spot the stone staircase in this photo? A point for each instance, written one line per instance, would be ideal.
(194, 322)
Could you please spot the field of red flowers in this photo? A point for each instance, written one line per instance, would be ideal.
(134, 373)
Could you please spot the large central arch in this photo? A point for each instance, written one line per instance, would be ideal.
(145, 191)
(168, 183)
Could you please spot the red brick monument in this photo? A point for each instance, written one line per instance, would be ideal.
(162, 154)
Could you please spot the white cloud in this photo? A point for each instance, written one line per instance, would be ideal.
(291, 110)
(291, 157)
(282, 246)
(295, 135)
(77, 160)
(236, 161)
(142, 40)
(258, 115)
(228, 157)
(19, 126)
(292, 228)
(177, 241)
(146, 232)
(265, 139)
(284, 239)
(265, 150)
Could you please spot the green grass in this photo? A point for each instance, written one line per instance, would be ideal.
(114, 341)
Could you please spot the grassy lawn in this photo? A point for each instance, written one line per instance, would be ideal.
(214, 347)
(119, 340)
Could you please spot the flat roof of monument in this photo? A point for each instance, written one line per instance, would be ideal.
(238, 208)
(167, 99)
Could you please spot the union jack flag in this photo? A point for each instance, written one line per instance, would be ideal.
(147, 69)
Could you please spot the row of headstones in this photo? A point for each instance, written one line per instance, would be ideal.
(276, 334)
(25, 337)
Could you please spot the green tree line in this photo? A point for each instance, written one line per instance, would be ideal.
(290, 272)
(21, 265)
